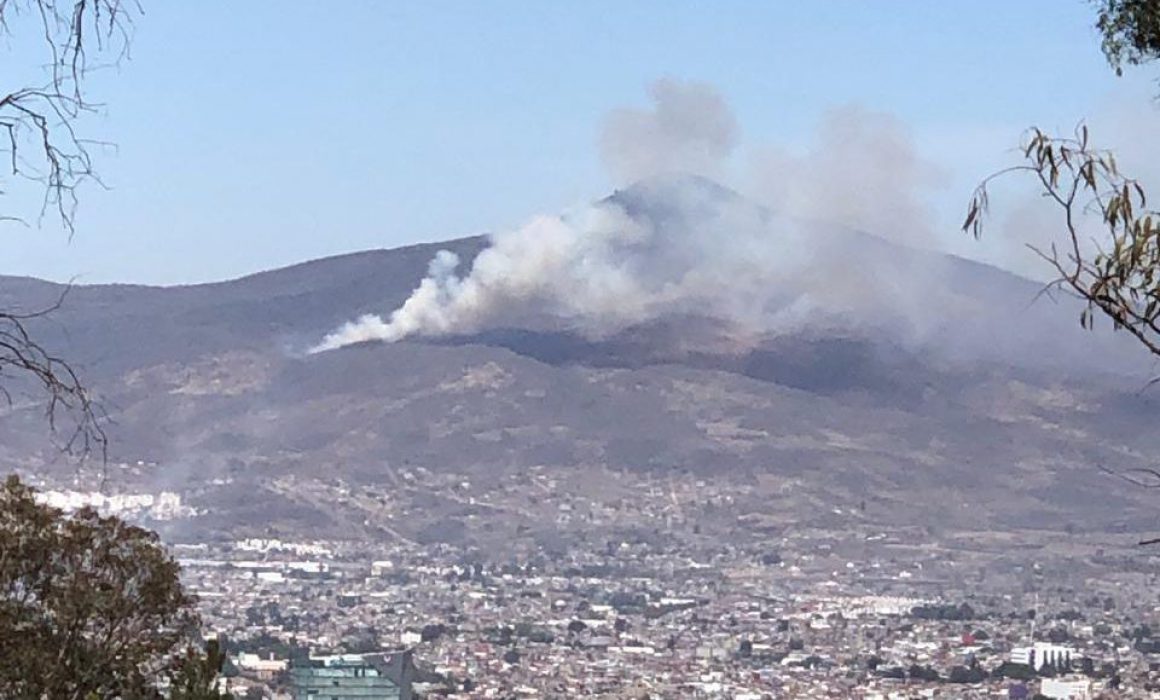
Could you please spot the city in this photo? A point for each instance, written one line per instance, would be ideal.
(689, 602)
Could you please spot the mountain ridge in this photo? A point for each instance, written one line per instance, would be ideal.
(210, 393)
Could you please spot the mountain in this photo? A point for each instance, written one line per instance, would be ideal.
(999, 416)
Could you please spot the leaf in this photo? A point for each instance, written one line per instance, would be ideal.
(972, 213)
(1087, 172)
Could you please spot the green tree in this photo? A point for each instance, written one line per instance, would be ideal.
(959, 674)
(1130, 30)
(91, 606)
(197, 672)
(746, 649)
(1014, 671)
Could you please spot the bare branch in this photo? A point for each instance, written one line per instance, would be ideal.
(39, 143)
(67, 396)
(42, 145)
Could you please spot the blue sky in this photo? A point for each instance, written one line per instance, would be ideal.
(258, 134)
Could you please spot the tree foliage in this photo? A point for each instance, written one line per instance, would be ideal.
(92, 607)
(197, 672)
(1116, 268)
(1130, 30)
(40, 145)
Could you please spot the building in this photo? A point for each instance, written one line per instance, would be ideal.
(1042, 654)
(1066, 689)
(264, 669)
(383, 676)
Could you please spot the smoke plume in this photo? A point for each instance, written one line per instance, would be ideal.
(566, 259)
(599, 267)
(690, 129)
(836, 243)
(863, 171)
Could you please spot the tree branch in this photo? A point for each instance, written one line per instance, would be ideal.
(40, 144)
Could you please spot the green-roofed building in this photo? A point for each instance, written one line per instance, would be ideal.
(382, 676)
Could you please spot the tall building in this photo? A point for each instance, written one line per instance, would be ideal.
(1040, 654)
(382, 676)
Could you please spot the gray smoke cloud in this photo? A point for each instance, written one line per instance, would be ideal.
(675, 242)
(690, 129)
(620, 262)
(862, 171)
(836, 243)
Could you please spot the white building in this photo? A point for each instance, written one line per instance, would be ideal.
(262, 668)
(1041, 654)
(162, 506)
(1067, 688)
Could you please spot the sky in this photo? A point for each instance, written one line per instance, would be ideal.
(254, 135)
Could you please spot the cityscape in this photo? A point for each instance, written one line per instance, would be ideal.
(655, 605)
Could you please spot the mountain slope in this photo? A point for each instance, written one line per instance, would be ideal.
(997, 415)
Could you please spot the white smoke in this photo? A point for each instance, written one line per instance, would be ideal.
(690, 129)
(863, 171)
(597, 267)
(426, 308)
(518, 264)
(678, 243)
